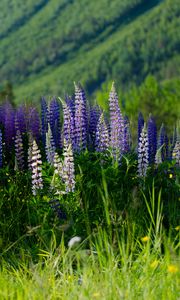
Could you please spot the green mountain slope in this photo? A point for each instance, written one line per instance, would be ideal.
(47, 44)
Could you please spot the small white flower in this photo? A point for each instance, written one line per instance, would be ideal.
(73, 241)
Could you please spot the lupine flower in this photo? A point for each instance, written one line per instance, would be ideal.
(34, 123)
(102, 135)
(116, 125)
(36, 164)
(20, 119)
(71, 103)
(152, 139)
(44, 119)
(57, 183)
(54, 120)
(58, 166)
(30, 144)
(140, 124)
(80, 119)
(19, 152)
(69, 126)
(68, 168)
(50, 146)
(143, 153)
(1, 150)
(176, 153)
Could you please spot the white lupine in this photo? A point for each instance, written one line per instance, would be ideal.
(176, 153)
(68, 168)
(57, 180)
(50, 146)
(36, 166)
(143, 153)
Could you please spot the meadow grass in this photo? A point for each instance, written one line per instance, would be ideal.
(137, 269)
(109, 263)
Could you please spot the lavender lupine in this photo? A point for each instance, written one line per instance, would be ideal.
(68, 168)
(71, 103)
(19, 152)
(143, 147)
(116, 125)
(102, 135)
(140, 124)
(34, 123)
(50, 146)
(54, 120)
(30, 144)
(1, 150)
(152, 139)
(36, 164)
(80, 119)
(44, 119)
(69, 126)
(20, 119)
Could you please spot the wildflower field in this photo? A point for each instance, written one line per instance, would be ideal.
(87, 211)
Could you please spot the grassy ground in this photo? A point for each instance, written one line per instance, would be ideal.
(139, 269)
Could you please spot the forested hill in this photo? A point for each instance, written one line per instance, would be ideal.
(45, 45)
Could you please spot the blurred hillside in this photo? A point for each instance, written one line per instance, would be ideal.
(45, 45)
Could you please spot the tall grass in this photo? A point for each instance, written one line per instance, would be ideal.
(117, 258)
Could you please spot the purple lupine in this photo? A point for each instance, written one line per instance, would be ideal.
(1, 150)
(44, 120)
(70, 101)
(152, 139)
(140, 124)
(68, 124)
(95, 113)
(30, 144)
(54, 120)
(19, 152)
(127, 135)
(102, 135)
(116, 125)
(36, 164)
(20, 119)
(80, 119)
(50, 146)
(68, 168)
(143, 159)
(34, 123)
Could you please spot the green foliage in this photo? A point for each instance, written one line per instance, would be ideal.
(50, 43)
